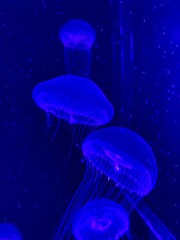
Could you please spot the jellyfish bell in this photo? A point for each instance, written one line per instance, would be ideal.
(75, 99)
(100, 219)
(77, 34)
(123, 156)
(9, 231)
(78, 37)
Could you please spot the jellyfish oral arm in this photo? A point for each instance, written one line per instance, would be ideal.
(153, 222)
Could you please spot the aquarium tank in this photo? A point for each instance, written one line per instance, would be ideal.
(89, 120)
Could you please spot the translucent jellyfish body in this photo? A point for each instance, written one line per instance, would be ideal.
(75, 99)
(100, 219)
(122, 156)
(9, 231)
(77, 34)
(77, 37)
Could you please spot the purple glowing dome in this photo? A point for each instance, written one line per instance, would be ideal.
(75, 99)
(77, 34)
(100, 219)
(124, 157)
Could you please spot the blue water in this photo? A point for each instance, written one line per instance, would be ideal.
(134, 60)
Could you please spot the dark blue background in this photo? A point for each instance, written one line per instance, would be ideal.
(145, 91)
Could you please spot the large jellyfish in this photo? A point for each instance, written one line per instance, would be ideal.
(77, 37)
(100, 219)
(120, 165)
(9, 231)
(75, 99)
(124, 157)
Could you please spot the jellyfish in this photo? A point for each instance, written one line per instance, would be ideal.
(75, 99)
(124, 157)
(9, 231)
(78, 37)
(100, 219)
(120, 166)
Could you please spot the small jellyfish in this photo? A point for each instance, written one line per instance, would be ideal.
(77, 37)
(75, 99)
(77, 34)
(100, 219)
(9, 231)
(120, 166)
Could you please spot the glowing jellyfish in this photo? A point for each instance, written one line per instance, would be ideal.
(124, 157)
(100, 219)
(77, 37)
(9, 231)
(75, 99)
(120, 165)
